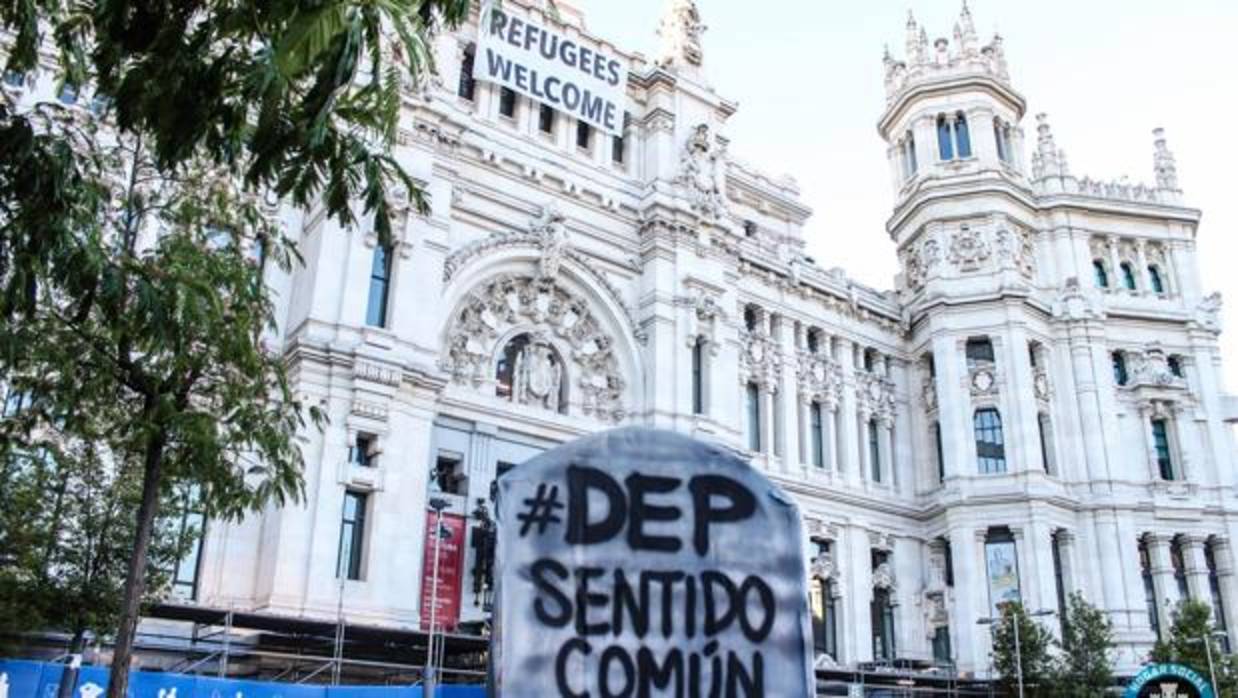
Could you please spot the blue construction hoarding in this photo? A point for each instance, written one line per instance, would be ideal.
(28, 679)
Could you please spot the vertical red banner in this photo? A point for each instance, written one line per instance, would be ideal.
(450, 572)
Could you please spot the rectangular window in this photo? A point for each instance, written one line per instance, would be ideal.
(584, 135)
(1149, 588)
(949, 561)
(990, 443)
(1218, 604)
(941, 645)
(352, 535)
(941, 457)
(546, 119)
(816, 435)
(874, 449)
(1046, 443)
(1164, 457)
(362, 450)
(754, 417)
(1059, 580)
(449, 477)
(883, 626)
(507, 102)
(467, 85)
(1002, 564)
(380, 283)
(698, 376)
(616, 149)
(1179, 565)
(979, 352)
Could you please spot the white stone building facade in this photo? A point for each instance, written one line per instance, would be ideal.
(1036, 409)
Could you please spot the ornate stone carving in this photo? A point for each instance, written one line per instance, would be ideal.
(822, 566)
(548, 235)
(968, 249)
(875, 396)
(508, 304)
(1040, 384)
(760, 361)
(883, 577)
(928, 393)
(704, 313)
(538, 375)
(680, 33)
(372, 410)
(1208, 313)
(1016, 248)
(552, 237)
(376, 373)
(1163, 163)
(982, 381)
(1151, 368)
(820, 379)
(702, 172)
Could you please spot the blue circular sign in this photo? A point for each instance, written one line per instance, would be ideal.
(1168, 681)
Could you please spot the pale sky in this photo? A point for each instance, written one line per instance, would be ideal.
(808, 78)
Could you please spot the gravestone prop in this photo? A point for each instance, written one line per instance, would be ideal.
(637, 563)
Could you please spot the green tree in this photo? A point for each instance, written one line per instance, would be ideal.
(1034, 644)
(1191, 628)
(1084, 667)
(125, 280)
(67, 522)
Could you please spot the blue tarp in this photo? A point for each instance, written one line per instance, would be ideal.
(26, 679)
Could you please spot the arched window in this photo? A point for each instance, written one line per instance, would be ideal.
(467, 85)
(962, 136)
(1128, 276)
(1099, 273)
(530, 372)
(945, 143)
(1154, 279)
(990, 445)
(754, 417)
(1120, 376)
(698, 376)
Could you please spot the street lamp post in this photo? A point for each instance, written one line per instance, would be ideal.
(438, 504)
(1207, 640)
(1018, 650)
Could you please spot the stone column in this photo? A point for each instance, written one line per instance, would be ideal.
(1196, 568)
(766, 396)
(1211, 387)
(953, 404)
(971, 596)
(1162, 578)
(859, 575)
(829, 415)
(1115, 281)
(889, 474)
(866, 455)
(1141, 258)
(1193, 464)
(1109, 565)
(848, 451)
(1223, 556)
(1088, 400)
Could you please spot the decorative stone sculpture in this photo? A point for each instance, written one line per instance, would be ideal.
(510, 303)
(538, 376)
(701, 173)
(968, 249)
(552, 236)
(680, 32)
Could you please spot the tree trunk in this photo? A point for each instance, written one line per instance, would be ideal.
(68, 680)
(135, 580)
